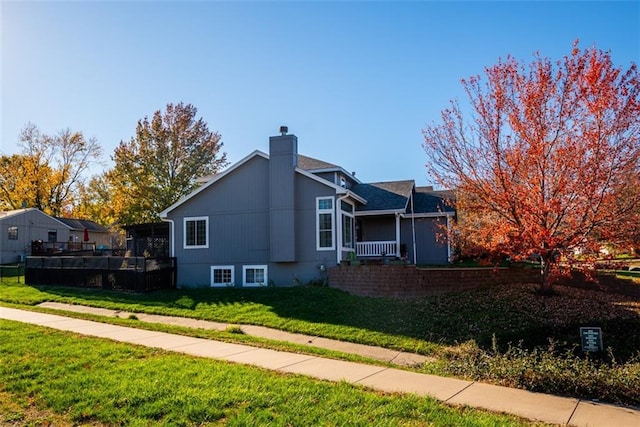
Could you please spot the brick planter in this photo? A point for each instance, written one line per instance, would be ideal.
(393, 281)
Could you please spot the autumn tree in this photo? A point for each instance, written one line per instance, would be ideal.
(96, 201)
(161, 163)
(47, 173)
(546, 158)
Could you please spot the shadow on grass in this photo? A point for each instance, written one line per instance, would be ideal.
(513, 314)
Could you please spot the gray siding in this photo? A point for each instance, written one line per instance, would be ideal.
(32, 225)
(282, 162)
(238, 211)
(237, 207)
(429, 249)
(373, 229)
(329, 176)
(306, 192)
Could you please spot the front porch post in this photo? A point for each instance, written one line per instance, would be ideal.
(398, 235)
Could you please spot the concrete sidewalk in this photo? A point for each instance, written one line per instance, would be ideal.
(378, 353)
(533, 406)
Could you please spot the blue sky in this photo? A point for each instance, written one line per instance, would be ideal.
(355, 81)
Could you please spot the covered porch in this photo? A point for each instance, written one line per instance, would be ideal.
(417, 239)
(378, 236)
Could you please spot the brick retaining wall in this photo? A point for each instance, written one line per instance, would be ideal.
(607, 282)
(401, 281)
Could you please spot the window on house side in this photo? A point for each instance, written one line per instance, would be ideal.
(347, 231)
(254, 275)
(347, 224)
(324, 223)
(222, 275)
(12, 233)
(195, 232)
(346, 207)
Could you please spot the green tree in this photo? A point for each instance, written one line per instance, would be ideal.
(162, 162)
(48, 172)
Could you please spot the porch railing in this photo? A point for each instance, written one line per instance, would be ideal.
(376, 248)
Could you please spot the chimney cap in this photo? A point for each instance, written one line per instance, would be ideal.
(284, 130)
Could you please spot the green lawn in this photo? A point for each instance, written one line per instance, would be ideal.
(635, 274)
(493, 334)
(54, 378)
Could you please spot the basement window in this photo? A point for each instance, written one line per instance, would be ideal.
(254, 275)
(222, 276)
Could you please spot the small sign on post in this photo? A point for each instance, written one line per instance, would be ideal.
(591, 338)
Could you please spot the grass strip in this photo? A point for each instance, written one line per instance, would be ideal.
(230, 335)
(68, 379)
(456, 328)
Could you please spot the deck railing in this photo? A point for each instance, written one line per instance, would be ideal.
(40, 248)
(136, 274)
(376, 248)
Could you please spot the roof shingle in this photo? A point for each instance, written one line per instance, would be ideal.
(383, 196)
(81, 224)
(309, 163)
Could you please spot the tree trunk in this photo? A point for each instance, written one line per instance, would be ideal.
(546, 285)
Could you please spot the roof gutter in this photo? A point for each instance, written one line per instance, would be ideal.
(429, 215)
(384, 212)
(172, 233)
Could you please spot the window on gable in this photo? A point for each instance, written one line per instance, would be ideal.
(222, 275)
(324, 223)
(254, 275)
(12, 233)
(196, 232)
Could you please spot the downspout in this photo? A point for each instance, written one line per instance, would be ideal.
(413, 232)
(448, 239)
(171, 236)
(398, 234)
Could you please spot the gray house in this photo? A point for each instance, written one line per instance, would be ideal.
(18, 228)
(21, 227)
(86, 230)
(282, 218)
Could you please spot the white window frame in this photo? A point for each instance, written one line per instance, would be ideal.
(12, 232)
(351, 215)
(333, 223)
(255, 267)
(206, 232)
(214, 268)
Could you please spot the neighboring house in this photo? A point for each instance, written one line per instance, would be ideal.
(20, 228)
(281, 218)
(84, 230)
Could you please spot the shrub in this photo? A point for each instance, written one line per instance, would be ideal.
(233, 329)
(546, 370)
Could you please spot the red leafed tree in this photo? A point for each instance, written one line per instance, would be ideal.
(546, 161)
